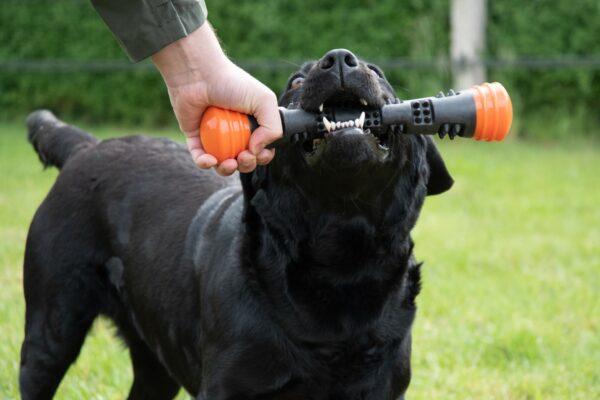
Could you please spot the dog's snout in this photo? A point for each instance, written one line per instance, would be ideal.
(340, 78)
(341, 60)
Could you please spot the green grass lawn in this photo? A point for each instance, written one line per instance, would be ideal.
(510, 307)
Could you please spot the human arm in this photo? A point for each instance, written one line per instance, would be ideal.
(197, 73)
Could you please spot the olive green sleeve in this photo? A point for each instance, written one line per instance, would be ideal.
(143, 27)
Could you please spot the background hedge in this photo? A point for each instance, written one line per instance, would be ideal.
(295, 30)
(549, 101)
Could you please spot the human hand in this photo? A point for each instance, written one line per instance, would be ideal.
(198, 74)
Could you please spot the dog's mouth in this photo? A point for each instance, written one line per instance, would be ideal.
(347, 118)
(345, 95)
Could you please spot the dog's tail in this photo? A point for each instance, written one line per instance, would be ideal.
(53, 140)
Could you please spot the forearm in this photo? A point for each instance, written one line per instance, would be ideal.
(193, 58)
(143, 27)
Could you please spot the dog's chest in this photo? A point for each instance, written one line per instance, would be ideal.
(353, 364)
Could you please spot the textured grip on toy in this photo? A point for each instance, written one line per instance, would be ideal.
(483, 112)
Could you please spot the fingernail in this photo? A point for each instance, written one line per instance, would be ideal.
(265, 156)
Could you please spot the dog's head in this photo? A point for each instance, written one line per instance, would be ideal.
(350, 163)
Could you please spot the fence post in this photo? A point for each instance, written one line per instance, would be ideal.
(468, 21)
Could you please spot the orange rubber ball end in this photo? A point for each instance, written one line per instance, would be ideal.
(494, 111)
(224, 133)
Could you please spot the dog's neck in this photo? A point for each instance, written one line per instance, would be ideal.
(338, 267)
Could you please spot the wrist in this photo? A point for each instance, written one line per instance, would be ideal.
(191, 59)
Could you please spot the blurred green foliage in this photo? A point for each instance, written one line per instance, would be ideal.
(295, 30)
(565, 100)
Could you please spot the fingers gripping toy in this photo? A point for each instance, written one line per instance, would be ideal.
(483, 112)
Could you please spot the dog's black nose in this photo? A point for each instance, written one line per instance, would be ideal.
(339, 61)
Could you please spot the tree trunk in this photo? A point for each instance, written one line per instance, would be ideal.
(468, 24)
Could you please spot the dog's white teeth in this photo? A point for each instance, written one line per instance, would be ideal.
(351, 123)
(327, 124)
(363, 102)
(321, 108)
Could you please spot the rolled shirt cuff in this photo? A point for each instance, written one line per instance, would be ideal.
(143, 27)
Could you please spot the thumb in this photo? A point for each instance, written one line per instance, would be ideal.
(269, 121)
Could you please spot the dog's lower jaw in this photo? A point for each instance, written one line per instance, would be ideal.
(346, 297)
(328, 272)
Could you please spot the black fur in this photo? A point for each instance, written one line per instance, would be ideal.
(53, 140)
(299, 285)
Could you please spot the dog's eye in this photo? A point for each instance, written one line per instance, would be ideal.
(375, 71)
(297, 82)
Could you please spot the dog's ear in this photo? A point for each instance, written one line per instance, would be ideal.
(439, 177)
(252, 182)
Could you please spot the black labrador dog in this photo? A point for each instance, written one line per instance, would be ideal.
(298, 284)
